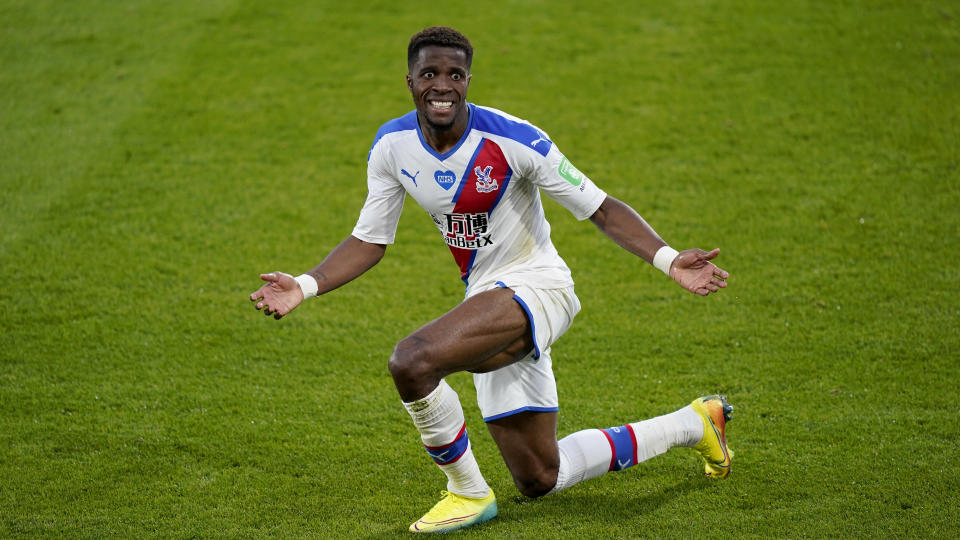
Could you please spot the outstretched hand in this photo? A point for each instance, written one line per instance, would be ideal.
(279, 296)
(694, 272)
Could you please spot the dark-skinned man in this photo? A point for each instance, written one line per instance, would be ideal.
(478, 172)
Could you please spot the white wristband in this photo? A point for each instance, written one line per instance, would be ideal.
(308, 285)
(664, 258)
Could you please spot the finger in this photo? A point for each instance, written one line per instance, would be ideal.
(257, 295)
(272, 277)
(710, 255)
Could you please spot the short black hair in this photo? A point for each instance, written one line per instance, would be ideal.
(442, 36)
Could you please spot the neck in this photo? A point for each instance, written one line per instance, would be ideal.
(444, 139)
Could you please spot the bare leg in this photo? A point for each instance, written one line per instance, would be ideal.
(484, 332)
(528, 443)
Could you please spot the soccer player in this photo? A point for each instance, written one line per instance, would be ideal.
(478, 172)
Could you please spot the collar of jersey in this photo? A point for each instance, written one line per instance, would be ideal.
(445, 155)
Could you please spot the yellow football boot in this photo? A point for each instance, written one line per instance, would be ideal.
(715, 413)
(456, 512)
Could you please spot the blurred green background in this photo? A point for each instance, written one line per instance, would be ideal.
(156, 156)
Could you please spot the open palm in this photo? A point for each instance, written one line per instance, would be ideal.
(279, 296)
(694, 272)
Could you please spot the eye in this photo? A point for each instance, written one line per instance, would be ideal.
(428, 75)
(456, 76)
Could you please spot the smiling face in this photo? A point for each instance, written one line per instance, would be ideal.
(438, 81)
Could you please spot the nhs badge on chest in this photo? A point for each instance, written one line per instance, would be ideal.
(445, 179)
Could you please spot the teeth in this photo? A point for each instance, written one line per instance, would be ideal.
(442, 104)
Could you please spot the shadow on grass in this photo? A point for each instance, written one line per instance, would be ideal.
(551, 513)
(602, 506)
(628, 503)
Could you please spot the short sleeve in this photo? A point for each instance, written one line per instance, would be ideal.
(380, 214)
(558, 178)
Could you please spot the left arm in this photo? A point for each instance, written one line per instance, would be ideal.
(691, 268)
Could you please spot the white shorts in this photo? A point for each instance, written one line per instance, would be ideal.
(529, 385)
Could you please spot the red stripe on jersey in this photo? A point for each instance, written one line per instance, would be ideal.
(478, 193)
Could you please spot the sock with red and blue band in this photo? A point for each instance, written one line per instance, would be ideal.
(449, 453)
(623, 447)
(593, 452)
(439, 419)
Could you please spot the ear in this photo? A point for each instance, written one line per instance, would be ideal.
(409, 82)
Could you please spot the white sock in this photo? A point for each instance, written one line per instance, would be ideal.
(592, 452)
(657, 435)
(583, 455)
(439, 419)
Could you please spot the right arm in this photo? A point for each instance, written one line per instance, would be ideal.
(377, 224)
(346, 262)
(282, 294)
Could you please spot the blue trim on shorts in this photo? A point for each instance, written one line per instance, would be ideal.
(533, 326)
(520, 410)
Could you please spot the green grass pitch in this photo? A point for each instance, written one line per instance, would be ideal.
(156, 156)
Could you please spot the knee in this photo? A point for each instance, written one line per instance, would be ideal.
(410, 362)
(536, 483)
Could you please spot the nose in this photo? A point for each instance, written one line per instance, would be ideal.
(443, 82)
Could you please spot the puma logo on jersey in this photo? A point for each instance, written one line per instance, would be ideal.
(541, 136)
(411, 177)
(485, 183)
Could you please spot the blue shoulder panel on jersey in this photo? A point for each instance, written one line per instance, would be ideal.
(521, 132)
(406, 122)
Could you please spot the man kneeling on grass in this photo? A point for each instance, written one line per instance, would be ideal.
(478, 173)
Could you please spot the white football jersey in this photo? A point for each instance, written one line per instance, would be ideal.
(482, 195)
